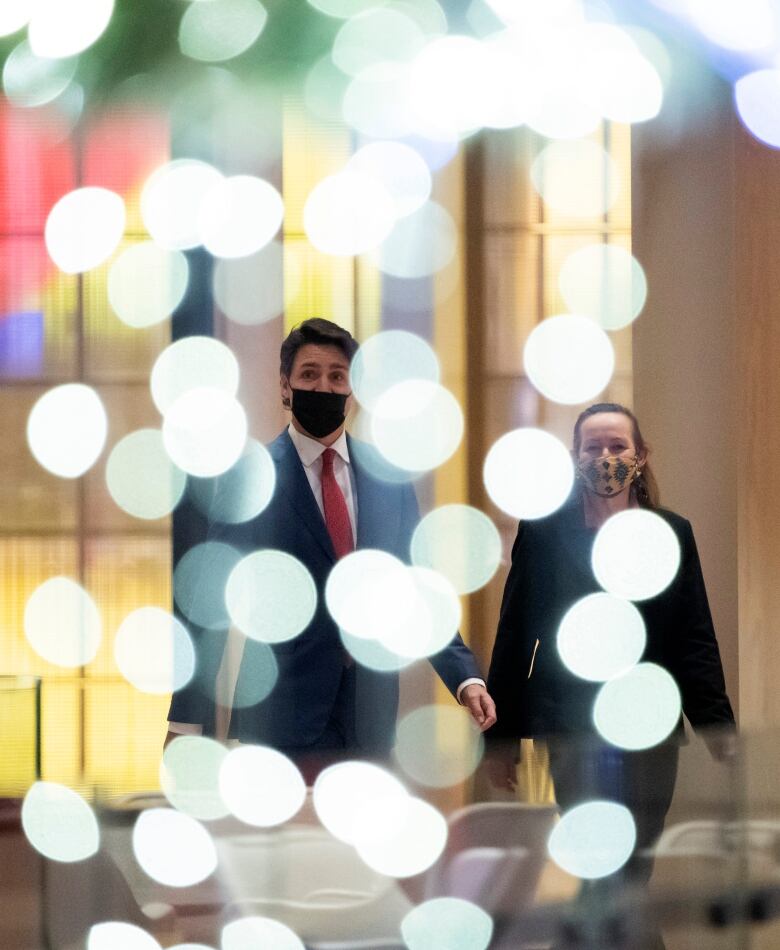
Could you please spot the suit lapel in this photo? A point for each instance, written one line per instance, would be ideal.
(371, 519)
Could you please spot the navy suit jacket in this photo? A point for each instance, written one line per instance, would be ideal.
(310, 666)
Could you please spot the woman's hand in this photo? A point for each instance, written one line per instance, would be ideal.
(500, 762)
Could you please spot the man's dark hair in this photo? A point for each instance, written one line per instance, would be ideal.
(321, 333)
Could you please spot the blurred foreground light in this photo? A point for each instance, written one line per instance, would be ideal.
(756, 95)
(239, 215)
(528, 473)
(252, 290)
(438, 746)
(373, 654)
(420, 244)
(593, 840)
(654, 555)
(62, 623)
(153, 651)
(30, 80)
(348, 213)
(205, 431)
(342, 789)
(344, 9)
(388, 358)
(569, 359)
(417, 425)
(257, 677)
(14, 15)
(604, 282)
(459, 542)
(369, 456)
(400, 168)
(63, 29)
(172, 848)
(399, 837)
(749, 25)
(324, 90)
(58, 823)
(447, 923)
(378, 102)
(199, 583)
(380, 34)
(220, 29)
(84, 228)
(601, 637)
(242, 492)
(189, 776)
(66, 429)
(577, 178)
(141, 478)
(433, 620)
(146, 283)
(261, 786)
(639, 709)
(190, 363)
(270, 596)
(249, 933)
(116, 935)
(560, 12)
(171, 200)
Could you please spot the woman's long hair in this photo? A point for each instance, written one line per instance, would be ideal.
(644, 487)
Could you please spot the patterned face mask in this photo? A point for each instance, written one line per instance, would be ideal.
(610, 475)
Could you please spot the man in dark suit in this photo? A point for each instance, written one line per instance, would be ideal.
(326, 504)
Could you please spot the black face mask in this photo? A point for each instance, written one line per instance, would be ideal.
(319, 413)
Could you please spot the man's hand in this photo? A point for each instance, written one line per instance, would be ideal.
(478, 702)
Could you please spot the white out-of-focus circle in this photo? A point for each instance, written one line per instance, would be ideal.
(401, 170)
(270, 596)
(569, 359)
(749, 25)
(348, 213)
(433, 618)
(117, 935)
(601, 636)
(141, 478)
(446, 923)
(171, 200)
(459, 542)
(576, 178)
(153, 651)
(261, 786)
(146, 283)
(242, 492)
(84, 228)
(438, 746)
(13, 16)
(604, 282)
(67, 428)
(378, 102)
(755, 96)
(189, 776)
(373, 654)
(378, 35)
(239, 215)
(220, 29)
(191, 363)
(636, 554)
(399, 837)
(528, 473)
(417, 425)
(420, 244)
(173, 848)
(593, 840)
(205, 431)
(387, 358)
(30, 81)
(64, 29)
(252, 290)
(59, 823)
(638, 709)
(342, 789)
(250, 932)
(62, 623)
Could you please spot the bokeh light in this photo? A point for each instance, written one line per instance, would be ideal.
(654, 554)
(66, 429)
(256, 680)
(199, 583)
(373, 654)
(141, 478)
(60, 29)
(252, 290)
(242, 492)
(271, 596)
(747, 26)
(117, 935)
(401, 170)
(417, 425)
(239, 215)
(528, 473)
(348, 213)
(420, 244)
(153, 651)
(604, 282)
(62, 623)
(189, 776)
(438, 746)
(756, 99)
(577, 178)
(173, 848)
(171, 200)
(343, 9)
(387, 358)
(601, 636)
(146, 283)
(342, 789)
(261, 786)
(248, 933)
(220, 29)
(84, 228)
(191, 363)
(398, 836)
(13, 16)
(324, 90)
(593, 840)
(30, 80)
(569, 359)
(447, 923)
(378, 102)
(205, 431)
(58, 823)
(639, 709)
(369, 457)
(380, 34)
(433, 616)
(461, 543)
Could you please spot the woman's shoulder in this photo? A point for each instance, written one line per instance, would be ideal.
(675, 520)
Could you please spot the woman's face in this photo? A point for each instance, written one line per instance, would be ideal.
(606, 433)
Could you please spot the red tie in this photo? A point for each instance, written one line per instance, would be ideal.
(336, 513)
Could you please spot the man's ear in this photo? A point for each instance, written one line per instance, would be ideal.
(286, 390)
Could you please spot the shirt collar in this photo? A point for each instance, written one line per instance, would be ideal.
(310, 450)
